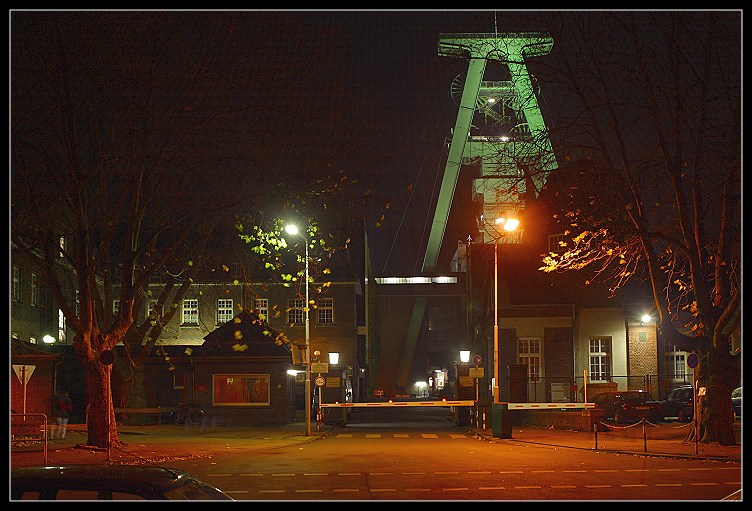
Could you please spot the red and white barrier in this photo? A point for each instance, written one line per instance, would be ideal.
(510, 406)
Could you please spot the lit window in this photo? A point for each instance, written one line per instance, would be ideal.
(60, 325)
(224, 310)
(600, 359)
(325, 311)
(261, 305)
(240, 389)
(295, 310)
(676, 365)
(190, 311)
(529, 354)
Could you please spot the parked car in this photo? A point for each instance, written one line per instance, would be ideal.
(628, 406)
(108, 482)
(736, 401)
(679, 403)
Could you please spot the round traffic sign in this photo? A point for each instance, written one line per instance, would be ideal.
(107, 357)
(693, 360)
(476, 360)
(319, 381)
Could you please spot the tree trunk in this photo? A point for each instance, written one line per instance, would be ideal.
(715, 413)
(101, 426)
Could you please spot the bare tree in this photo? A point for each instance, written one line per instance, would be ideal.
(133, 135)
(648, 121)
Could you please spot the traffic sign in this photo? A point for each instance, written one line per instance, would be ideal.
(476, 359)
(23, 372)
(319, 367)
(320, 381)
(693, 360)
(107, 357)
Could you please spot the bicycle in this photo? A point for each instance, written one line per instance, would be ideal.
(186, 414)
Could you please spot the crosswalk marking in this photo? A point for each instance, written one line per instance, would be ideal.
(458, 436)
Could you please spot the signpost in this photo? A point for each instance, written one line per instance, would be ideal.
(320, 381)
(477, 373)
(23, 373)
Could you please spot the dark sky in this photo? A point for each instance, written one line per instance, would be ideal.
(377, 73)
(380, 73)
(403, 89)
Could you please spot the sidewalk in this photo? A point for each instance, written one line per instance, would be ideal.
(665, 440)
(162, 442)
(159, 443)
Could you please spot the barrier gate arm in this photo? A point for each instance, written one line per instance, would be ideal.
(510, 406)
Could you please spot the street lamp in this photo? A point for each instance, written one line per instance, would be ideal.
(507, 225)
(293, 230)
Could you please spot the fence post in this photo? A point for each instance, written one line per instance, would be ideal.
(644, 435)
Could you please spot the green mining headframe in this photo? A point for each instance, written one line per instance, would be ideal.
(513, 166)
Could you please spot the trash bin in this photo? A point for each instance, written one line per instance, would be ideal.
(501, 423)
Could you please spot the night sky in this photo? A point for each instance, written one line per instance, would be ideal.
(378, 79)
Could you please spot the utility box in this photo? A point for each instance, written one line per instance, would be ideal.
(501, 422)
(560, 393)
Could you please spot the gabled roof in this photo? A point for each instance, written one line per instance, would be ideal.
(246, 335)
(19, 348)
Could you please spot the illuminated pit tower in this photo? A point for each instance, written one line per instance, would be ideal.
(513, 164)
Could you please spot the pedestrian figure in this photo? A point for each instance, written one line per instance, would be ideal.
(63, 409)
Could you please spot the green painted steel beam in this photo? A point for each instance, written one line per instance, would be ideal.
(413, 332)
(454, 162)
(497, 169)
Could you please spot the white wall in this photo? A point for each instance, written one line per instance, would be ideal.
(596, 322)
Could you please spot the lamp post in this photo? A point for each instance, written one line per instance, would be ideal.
(508, 225)
(293, 230)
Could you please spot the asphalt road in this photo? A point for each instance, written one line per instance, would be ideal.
(419, 454)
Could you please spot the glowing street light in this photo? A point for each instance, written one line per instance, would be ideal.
(293, 230)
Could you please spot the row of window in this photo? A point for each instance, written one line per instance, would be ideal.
(225, 310)
(15, 289)
(529, 354)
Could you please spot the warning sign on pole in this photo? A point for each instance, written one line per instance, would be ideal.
(23, 372)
